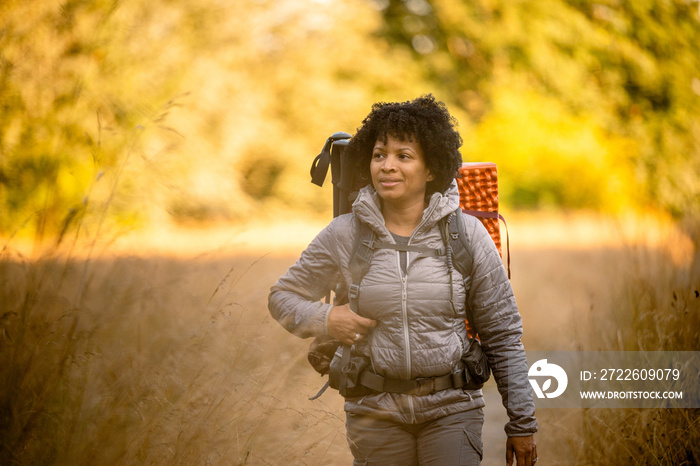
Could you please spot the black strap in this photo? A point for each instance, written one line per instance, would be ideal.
(359, 264)
(344, 366)
(421, 386)
(359, 261)
(319, 167)
(463, 259)
(321, 391)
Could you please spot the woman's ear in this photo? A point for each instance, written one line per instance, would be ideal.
(430, 176)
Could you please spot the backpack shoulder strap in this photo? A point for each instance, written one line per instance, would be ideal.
(360, 258)
(463, 259)
(458, 256)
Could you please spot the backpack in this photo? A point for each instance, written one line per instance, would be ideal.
(329, 356)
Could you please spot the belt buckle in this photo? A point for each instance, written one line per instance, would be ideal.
(426, 386)
(353, 291)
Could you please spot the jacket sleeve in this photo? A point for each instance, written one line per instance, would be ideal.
(294, 301)
(499, 326)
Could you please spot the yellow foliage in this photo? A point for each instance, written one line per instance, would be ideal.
(548, 157)
(176, 103)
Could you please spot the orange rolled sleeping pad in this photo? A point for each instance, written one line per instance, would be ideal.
(478, 196)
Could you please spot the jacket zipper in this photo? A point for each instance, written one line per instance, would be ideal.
(404, 310)
(404, 317)
(404, 299)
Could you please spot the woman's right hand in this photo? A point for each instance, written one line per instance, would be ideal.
(346, 326)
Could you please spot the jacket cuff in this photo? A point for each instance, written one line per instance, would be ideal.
(522, 427)
(324, 315)
(523, 434)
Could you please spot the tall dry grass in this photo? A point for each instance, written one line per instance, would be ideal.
(149, 361)
(163, 359)
(655, 307)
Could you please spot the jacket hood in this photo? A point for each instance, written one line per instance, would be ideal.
(368, 208)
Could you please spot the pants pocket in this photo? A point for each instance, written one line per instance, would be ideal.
(473, 443)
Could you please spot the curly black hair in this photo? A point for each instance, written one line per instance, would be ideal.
(423, 119)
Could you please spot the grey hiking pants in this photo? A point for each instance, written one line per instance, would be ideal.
(450, 440)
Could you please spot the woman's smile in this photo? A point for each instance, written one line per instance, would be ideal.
(387, 183)
(399, 172)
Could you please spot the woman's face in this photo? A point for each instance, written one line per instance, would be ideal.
(398, 170)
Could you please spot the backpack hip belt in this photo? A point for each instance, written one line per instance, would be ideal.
(421, 386)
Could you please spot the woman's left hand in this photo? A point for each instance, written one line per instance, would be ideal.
(523, 448)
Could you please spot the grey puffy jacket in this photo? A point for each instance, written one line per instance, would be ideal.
(418, 333)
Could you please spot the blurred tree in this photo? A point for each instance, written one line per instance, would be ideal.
(87, 86)
(277, 80)
(175, 110)
(80, 84)
(630, 65)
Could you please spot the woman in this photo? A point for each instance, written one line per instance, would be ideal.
(407, 327)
